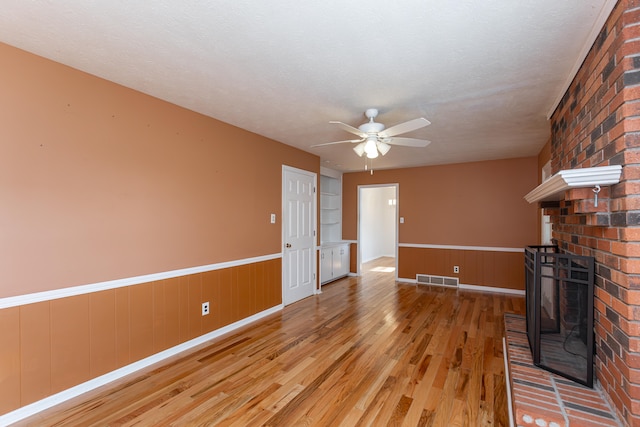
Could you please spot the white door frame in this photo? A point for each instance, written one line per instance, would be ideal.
(284, 222)
(397, 209)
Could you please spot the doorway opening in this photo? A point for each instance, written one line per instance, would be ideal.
(378, 227)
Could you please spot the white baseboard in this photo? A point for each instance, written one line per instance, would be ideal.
(491, 289)
(472, 287)
(70, 393)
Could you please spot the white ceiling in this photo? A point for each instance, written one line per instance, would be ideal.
(485, 73)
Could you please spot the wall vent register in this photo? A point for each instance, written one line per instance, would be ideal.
(427, 279)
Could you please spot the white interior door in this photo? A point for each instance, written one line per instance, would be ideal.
(298, 234)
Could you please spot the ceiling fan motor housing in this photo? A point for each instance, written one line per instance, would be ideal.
(371, 127)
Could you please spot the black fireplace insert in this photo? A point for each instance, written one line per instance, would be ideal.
(559, 303)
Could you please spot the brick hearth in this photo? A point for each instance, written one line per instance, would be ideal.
(541, 398)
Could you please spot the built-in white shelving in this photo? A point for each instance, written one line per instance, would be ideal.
(330, 206)
(334, 253)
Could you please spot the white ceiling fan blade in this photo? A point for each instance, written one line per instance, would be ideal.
(337, 142)
(405, 127)
(351, 129)
(408, 142)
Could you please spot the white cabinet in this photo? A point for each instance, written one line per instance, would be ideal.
(334, 262)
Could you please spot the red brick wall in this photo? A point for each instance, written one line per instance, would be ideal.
(597, 123)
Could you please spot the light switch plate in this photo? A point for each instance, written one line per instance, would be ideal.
(273, 218)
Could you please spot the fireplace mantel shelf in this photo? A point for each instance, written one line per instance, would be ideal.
(553, 188)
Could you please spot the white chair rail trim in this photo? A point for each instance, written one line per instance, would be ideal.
(120, 283)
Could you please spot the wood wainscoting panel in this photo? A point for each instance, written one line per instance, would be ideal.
(498, 269)
(50, 346)
(141, 321)
(35, 352)
(122, 326)
(9, 358)
(159, 317)
(194, 307)
(225, 306)
(183, 307)
(260, 289)
(70, 342)
(246, 290)
(102, 332)
(275, 281)
(172, 311)
(211, 293)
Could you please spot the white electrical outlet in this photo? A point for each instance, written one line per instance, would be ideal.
(456, 269)
(205, 308)
(273, 218)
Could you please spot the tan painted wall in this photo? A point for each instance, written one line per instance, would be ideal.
(471, 204)
(543, 157)
(99, 182)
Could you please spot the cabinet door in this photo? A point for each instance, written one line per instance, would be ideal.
(345, 260)
(326, 261)
(336, 262)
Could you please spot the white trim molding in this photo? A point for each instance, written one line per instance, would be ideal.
(553, 188)
(120, 283)
(493, 289)
(460, 248)
(70, 393)
(473, 288)
(507, 377)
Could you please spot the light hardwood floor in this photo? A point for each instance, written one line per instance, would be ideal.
(367, 351)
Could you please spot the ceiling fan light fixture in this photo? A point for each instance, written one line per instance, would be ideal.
(371, 148)
(376, 139)
(383, 147)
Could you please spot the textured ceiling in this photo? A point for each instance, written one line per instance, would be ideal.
(485, 73)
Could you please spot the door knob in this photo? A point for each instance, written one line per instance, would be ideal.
(288, 245)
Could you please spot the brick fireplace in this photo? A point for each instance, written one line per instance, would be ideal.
(597, 123)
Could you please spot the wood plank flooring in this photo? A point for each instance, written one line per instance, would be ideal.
(367, 351)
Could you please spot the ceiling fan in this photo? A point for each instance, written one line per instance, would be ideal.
(375, 138)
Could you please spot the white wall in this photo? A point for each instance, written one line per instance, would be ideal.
(377, 223)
